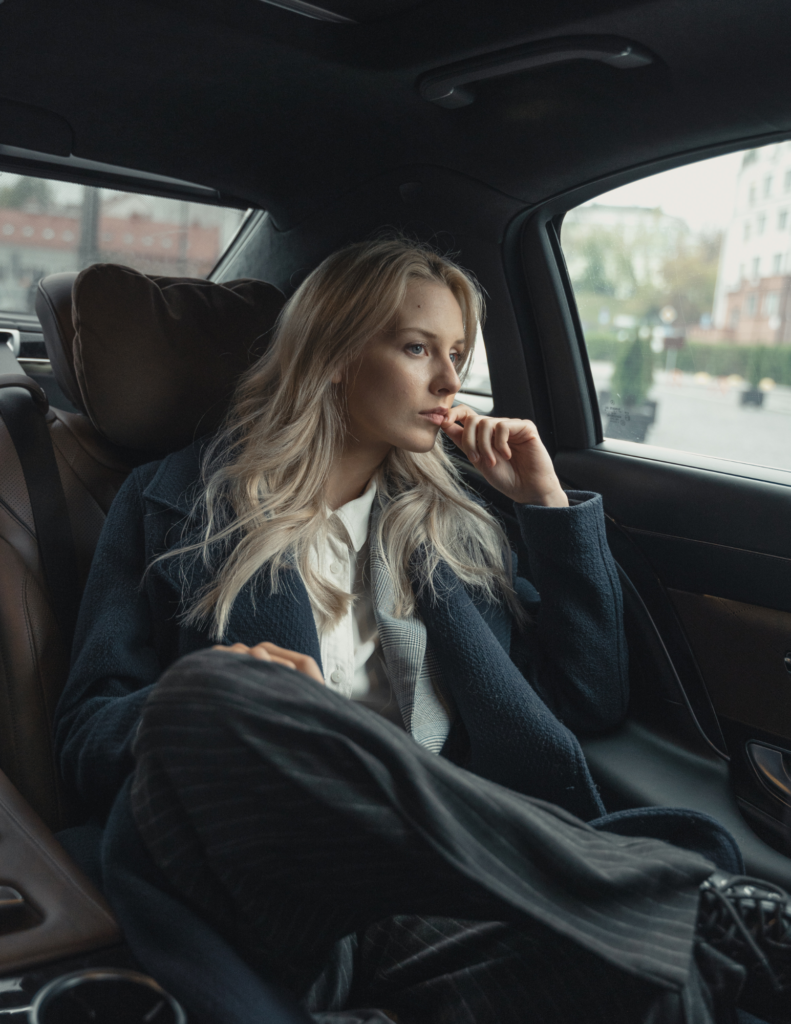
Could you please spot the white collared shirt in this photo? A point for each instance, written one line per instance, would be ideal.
(350, 650)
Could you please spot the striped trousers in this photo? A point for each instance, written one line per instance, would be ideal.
(380, 882)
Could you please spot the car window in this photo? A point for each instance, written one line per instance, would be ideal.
(476, 387)
(683, 286)
(50, 226)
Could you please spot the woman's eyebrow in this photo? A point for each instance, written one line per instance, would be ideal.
(429, 334)
(416, 330)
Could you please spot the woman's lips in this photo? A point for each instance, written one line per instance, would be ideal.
(435, 417)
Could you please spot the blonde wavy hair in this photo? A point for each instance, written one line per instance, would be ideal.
(265, 474)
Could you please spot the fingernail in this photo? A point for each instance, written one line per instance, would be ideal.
(473, 456)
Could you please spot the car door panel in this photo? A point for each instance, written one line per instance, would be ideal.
(635, 767)
(694, 537)
(741, 651)
(695, 565)
(665, 675)
(723, 609)
(682, 500)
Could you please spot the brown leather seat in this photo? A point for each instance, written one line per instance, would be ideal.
(150, 363)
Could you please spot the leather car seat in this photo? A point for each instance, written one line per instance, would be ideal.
(150, 363)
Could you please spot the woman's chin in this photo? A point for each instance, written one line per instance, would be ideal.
(419, 444)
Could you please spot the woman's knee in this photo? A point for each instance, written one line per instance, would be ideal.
(692, 830)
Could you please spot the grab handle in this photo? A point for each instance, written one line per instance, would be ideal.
(445, 87)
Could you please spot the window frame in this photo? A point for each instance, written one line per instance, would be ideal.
(563, 392)
(139, 183)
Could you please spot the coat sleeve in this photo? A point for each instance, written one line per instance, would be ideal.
(114, 663)
(574, 649)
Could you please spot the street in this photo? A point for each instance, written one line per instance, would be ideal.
(704, 416)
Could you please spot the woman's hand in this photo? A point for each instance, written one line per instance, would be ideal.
(279, 655)
(509, 454)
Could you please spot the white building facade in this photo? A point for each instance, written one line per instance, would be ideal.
(752, 300)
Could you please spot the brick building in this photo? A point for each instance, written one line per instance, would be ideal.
(155, 236)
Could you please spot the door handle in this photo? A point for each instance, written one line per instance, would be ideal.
(10, 900)
(771, 764)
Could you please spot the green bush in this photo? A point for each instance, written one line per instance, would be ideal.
(753, 362)
(633, 373)
(604, 346)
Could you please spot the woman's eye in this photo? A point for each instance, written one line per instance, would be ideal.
(416, 345)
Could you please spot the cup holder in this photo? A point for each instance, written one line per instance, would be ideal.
(104, 995)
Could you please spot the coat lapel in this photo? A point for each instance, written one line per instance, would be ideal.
(403, 640)
(414, 674)
(284, 618)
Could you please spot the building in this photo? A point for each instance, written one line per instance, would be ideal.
(156, 236)
(752, 299)
(637, 242)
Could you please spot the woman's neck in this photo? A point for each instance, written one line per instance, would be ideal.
(350, 476)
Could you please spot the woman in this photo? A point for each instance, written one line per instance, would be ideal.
(343, 413)
(349, 612)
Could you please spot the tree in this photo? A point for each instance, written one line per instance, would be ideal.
(633, 373)
(690, 277)
(639, 267)
(26, 192)
(756, 368)
(595, 251)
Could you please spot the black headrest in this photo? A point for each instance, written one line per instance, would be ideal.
(152, 361)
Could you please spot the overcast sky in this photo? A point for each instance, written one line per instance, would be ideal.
(702, 193)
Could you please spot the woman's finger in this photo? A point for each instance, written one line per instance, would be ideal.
(457, 413)
(454, 423)
(301, 662)
(282, 661)
(454, 432)
(468, 444)
(279, 652)
(305, 664)
(233, 649)
(501, 434)
(484, 439)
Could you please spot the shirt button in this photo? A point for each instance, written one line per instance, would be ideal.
(335, 568)
(338, 676)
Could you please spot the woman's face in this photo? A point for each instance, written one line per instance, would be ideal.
(406, 379)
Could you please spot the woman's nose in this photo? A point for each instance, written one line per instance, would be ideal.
(447, 380)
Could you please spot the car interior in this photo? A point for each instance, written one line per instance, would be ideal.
(475, 127)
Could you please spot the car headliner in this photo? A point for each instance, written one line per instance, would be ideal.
(284, 112)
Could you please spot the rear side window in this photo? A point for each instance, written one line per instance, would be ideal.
(476, 387)
(51, 226)
(683, 287)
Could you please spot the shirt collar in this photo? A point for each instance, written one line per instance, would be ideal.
(356, 516)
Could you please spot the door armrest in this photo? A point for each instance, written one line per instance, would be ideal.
(63, 913)
(635, 767)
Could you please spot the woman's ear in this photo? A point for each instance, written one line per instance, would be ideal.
(337, 377)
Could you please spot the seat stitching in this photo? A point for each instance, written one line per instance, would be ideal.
(15, 515)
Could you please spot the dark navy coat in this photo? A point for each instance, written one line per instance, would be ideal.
(520, 695)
